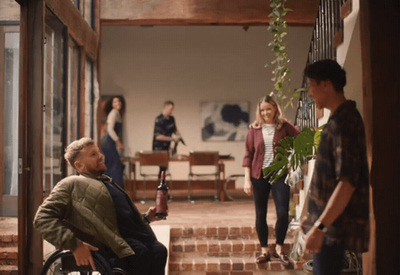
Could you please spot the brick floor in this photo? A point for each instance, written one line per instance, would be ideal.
(206, 226)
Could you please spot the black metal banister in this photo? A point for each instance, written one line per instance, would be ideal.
(327, 23)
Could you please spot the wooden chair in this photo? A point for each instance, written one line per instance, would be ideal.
(154, 159)
(204, 159)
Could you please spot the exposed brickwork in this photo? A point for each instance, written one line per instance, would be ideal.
(8, 255)
(8, 270)
(216, 252)
(224, 242)
(200, 265)
(8, 240)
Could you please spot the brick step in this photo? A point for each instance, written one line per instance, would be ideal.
(7, 240)
(212, 232)
(8, 270)
(217, 248)
(234, 265)
(218, 233)
(8, 256)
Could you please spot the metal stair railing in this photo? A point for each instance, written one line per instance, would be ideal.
(328, 22)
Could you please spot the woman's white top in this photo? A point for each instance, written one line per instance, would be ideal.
(112, 118)
(268, 131)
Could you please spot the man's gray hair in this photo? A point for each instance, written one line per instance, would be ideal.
(73, 150)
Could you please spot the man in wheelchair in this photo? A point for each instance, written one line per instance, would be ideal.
(91, 203)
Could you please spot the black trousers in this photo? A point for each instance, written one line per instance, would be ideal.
(149, 259)
(281, 195)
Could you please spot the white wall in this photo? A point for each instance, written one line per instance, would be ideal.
(349, 56)
(189, 65)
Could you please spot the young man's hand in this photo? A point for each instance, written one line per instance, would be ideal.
(313, 241)
(151, 214)
(83, 255)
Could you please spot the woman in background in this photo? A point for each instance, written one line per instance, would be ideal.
(111, 144)
(262, 138)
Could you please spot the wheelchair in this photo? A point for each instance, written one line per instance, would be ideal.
(62, 262)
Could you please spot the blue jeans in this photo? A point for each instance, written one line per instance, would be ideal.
(280, 193)
(329, 261)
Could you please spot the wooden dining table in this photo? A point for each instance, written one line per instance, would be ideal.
(222, 186)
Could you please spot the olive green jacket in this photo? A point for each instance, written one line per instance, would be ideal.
(85, 204)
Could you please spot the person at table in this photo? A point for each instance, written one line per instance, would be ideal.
(262, 138)
(165, 130)
(111, 144)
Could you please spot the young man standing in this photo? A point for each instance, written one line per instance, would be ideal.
(338, 209)
(165, 130)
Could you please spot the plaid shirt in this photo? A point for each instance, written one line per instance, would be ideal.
(342, 154)
(163, 126)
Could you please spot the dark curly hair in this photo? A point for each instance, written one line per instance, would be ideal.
(108, 107)
(327, 70)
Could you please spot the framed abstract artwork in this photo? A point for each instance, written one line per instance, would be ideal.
(224, 121)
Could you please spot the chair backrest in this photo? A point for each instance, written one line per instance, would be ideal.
(203, 158)
(151, 158)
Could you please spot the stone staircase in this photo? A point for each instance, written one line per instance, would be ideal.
(221, 250)
(8, 254)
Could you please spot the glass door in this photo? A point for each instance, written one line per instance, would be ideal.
(9, 101)
(53, 103)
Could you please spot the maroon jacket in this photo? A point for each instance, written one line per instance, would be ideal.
(255, 147)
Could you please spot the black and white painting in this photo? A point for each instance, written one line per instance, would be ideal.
(224, 121)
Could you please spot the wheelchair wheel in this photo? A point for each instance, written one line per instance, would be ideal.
(62, 262)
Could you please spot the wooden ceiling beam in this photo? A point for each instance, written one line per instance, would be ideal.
(77, 26)
(202, 12)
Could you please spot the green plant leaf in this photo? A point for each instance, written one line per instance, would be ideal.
(303, 146)
(293, 152)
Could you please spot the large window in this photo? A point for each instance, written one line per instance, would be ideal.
(73, 95)
(9, 98)
(53, 103)
(58, 36)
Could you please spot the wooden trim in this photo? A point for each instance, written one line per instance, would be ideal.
(31, 142)
(77, 26)
(98, 67)
(82, 93)
(205, 12)
(97, 24)
(346, 9)
(23, 143)
(380, 58)
(135, 187)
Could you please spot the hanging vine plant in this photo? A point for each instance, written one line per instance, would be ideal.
(294, 152)
(281, 71)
